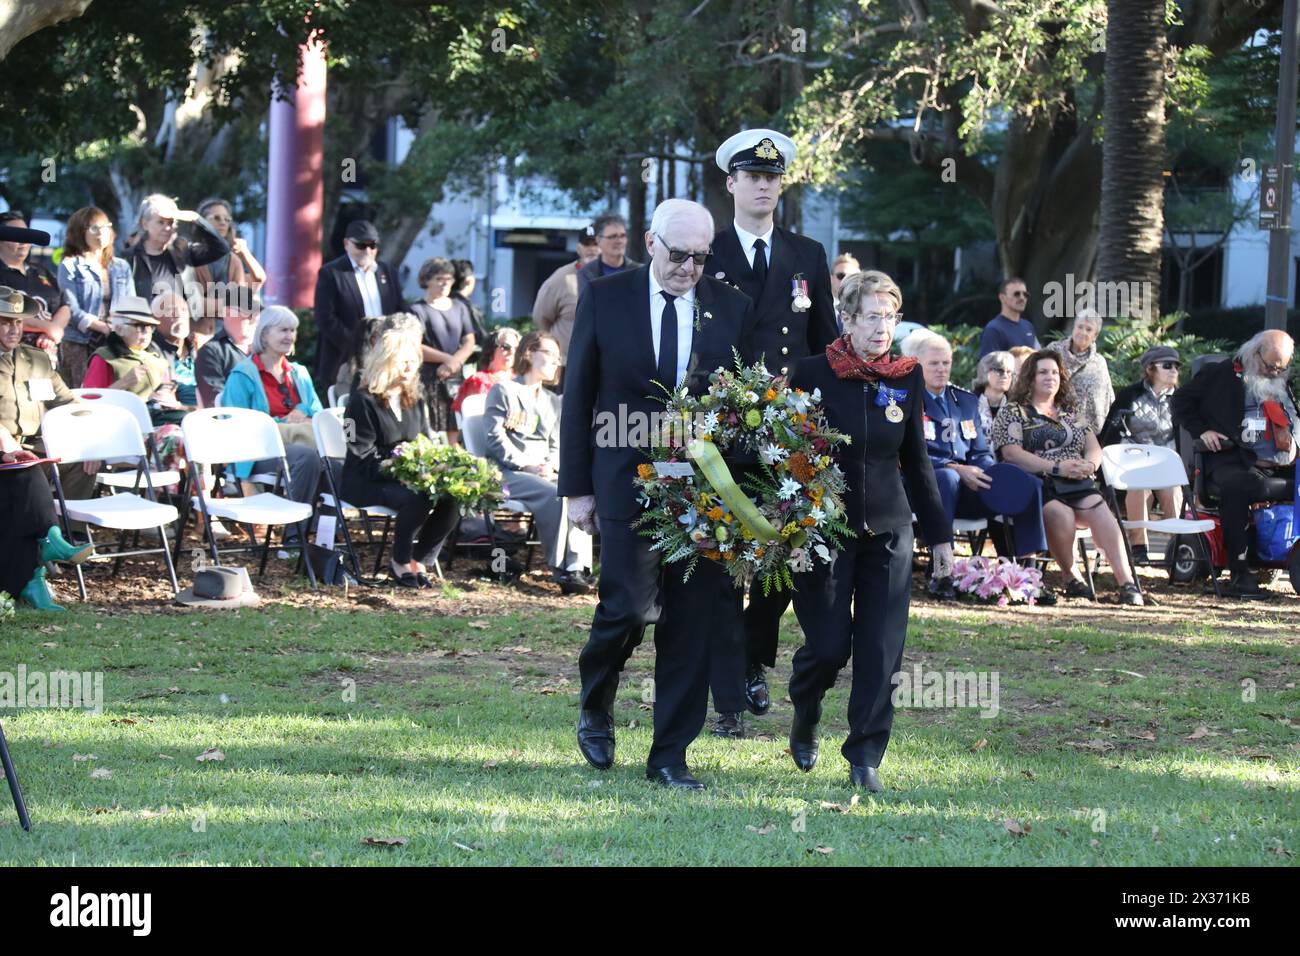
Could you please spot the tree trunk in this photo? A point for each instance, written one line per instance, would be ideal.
(19, 19)
(1132, 192)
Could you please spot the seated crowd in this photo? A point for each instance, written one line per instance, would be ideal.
(1022, 451)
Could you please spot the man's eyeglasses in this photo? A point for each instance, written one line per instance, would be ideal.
(1272, 369)
(614, 236)
(1019, 294)
(679, 255)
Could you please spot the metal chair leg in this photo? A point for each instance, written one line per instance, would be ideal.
(15, 790)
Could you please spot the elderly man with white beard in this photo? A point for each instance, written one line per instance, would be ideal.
(1244, 414)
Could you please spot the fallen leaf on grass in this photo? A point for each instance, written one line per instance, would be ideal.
(823, 850)
(979, 745)
(151, 814)
(489, 764)
(479, 625)
(547, 691)
(1104, 722)
(837, 807)
(518, 649)
(385, 841)
(461, 846)
(80, 757)
(121, 720)
(764, 830)
(1262, 757)
(1198, 733)
(165, 757)
(1100, 746)
(1094, 843)
(1029, 774)
(101, 773)
(212, 753)
(1120, 671)
(1016, 828)
(582, 625)
(1280, 850)
(1145, 735)
(50, 644)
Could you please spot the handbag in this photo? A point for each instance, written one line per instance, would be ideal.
(1071, 490)
(327, 565)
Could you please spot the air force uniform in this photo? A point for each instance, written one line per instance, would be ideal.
(953, 434)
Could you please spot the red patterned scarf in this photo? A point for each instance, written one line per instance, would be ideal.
(846, 363)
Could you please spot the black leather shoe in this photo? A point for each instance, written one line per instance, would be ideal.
(596, 738)
(865, 777)
(1046, 598)
(756, 697)
(1244, 584)
(1078, 589)
(674, 778)
(803, 743)
(729, 725)
(575, 582)
(942, 589)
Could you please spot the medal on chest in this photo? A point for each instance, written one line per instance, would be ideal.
(800, 300)
(888, 399)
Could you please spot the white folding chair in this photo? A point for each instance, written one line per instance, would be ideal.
(222, 436)
(331, 444)
(140, 412)
(1154, 468)
(91, 431)
(337, 397)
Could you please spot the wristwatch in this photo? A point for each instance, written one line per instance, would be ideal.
(1056, 469)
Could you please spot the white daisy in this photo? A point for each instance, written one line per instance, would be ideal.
(789, 488)
(773, 453)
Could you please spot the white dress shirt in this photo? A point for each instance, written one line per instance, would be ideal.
(369, 287)
(747, 243)
(685, 308)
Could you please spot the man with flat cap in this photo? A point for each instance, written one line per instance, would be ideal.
(354, 287)
(787, 278)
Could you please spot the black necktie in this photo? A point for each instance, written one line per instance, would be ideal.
(760, 263)
(667, 369)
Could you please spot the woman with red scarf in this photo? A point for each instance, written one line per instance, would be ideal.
(857, 604)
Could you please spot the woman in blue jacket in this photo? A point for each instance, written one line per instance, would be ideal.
(92, 280)
(268, 382)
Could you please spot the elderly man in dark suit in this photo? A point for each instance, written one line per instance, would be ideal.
(665, 322)
(1243, 414)
(354, 287)
(786, 277)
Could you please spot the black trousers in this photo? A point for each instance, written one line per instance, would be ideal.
(856, 606)
(421, 527)
(1238, 486)
(690, 624)
(26, 514)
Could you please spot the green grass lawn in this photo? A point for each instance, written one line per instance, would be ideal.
(455, 733)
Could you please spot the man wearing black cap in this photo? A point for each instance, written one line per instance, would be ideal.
(787, 278)
(355, 286)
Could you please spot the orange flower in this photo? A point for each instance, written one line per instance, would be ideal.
(760, 552)
(715, 513)
(645, 471)
(771, 394)
(713, 555)
(808, 522)
(800, 467)
(730, 556)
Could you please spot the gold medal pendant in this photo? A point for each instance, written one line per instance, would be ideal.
(893, 412)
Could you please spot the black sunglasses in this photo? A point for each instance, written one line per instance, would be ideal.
(367, 244)
(680, 256)
(1168, 366)
(840, 275)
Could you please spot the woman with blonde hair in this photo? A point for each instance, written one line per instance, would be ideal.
(384, 412)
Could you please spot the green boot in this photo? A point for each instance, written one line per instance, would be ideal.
(37, 594)
(54, 547)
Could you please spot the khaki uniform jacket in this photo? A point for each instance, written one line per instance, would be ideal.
(556, 303)
(28, 386)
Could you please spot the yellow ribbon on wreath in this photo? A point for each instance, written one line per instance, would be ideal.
(718, 475)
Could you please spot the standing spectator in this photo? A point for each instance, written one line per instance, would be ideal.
(386, 412)
(267, 381)
(611, 240)
(237, 267)
(448, 342)
(462, 290)
(1009, 327)
(844, 266)
(522, 422)
(172, 243)
(557, 299)
(92, 279)
(227, 349)
(355, 286)
(1244, 416)
(504, 344)
(993, 376)
(44, 329)
(1142, 414)
(1088, 371)
(1037, 430)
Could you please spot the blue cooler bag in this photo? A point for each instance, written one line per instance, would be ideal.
(1275, 532)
